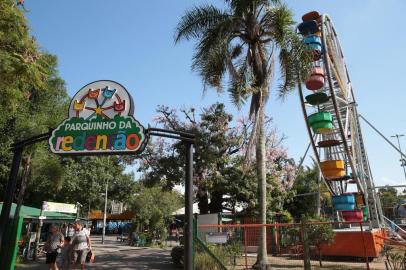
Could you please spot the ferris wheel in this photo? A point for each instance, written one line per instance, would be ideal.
(332, 121)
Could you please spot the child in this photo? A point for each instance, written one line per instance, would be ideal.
(66, 258)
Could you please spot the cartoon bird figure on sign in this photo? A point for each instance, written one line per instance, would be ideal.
(108, 93)
(119, 106)
(94, 94)
(78, 106)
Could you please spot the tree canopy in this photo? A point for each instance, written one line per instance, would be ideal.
(33, 100)
(220, 178)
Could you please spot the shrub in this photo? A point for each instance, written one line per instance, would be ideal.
(203, 260)
(395, 259)
(177, 255)
(319, 234)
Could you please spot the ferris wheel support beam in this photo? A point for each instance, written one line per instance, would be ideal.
(333, 95)
(373, 200)
(336, 69)
(383, 136)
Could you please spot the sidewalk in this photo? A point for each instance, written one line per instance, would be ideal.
(116, 255)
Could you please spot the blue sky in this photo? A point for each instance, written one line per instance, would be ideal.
(132, 42)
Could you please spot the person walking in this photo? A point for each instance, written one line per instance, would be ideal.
(53, 246)
(71, 230)
(81, 245)
(66, 252)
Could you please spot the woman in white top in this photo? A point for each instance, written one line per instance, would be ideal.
(81, 245)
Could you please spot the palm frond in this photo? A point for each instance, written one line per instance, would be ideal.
(243, 7)
(197, 21)
(295, 62)
(293, 58)
(213, 53)
(240, 84)
(277, 23)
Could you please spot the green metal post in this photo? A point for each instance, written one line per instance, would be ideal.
(15, 242)
(194, 239)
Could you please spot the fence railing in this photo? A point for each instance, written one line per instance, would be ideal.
(306, 245)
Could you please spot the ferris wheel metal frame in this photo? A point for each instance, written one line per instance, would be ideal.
(346, 126)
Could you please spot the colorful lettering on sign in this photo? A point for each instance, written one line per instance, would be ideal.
(98, 135)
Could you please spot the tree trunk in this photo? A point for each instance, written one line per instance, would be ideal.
(24, 183)
(262, 259)
(318, 206)
(216, 202)
(320, 257)
(203, 203)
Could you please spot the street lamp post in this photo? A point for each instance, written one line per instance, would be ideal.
(402, 160)
(78, 206)
(105, 212)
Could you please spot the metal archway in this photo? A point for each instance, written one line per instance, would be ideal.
(18, 148)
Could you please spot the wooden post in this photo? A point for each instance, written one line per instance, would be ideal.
(365, 248)
(38, 236)
(245, 248)
(306, 249)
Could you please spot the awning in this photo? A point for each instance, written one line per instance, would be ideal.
(28, 212)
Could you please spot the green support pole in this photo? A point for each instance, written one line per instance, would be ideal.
(194, 239)
(5, 259)
(13, 234)
(15, 242)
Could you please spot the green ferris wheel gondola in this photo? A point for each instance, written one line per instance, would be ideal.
(321, 122)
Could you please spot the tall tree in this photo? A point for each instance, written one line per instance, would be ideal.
(245, 40)
(216, 144)
(154, 208)
(30, 87)
(219, 173)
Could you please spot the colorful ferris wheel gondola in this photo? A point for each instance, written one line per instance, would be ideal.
(333, 125)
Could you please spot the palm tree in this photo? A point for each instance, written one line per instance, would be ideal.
(244, 41)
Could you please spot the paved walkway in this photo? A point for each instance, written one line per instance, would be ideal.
(115, 255)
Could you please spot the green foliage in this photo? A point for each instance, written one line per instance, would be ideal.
(154, 208)
(203, 261)
(214, 170)
(219, 161)
(81, 180)
(34, 99)
(177, 255)
(395, 259)
(241, 44)
(243, 40)
(226, 254)
(306, 183)
(319, 234)
(286, 217)
(389, 196)
(21, 61)
(33, 96)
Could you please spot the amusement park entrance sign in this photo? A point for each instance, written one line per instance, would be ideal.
(100, 122)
